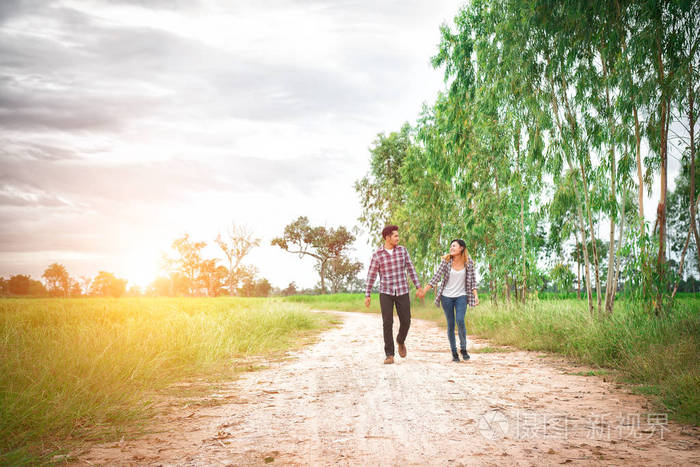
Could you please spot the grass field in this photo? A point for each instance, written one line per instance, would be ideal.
(659, 356)
(77, 369)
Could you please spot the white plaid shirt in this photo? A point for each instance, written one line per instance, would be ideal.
(443, 273)
(392, 271)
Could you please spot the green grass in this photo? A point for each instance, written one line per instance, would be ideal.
(79, 369)
(356, 302)
(590, 373)
(492, 349)
(658, 356)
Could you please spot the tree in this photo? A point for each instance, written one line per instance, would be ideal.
(236, 243)
(320, 243)
(342, 273)
(75, 289)
(161, 287)
(255, 288)
(681, 220)
(212, 277)
(290, 290)
(21, 284)
(84, 283)
(378, 191)
(562, 277)
(58, 282)
(107, 284)
(188, 263)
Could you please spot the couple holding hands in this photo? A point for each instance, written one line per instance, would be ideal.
(456, 290)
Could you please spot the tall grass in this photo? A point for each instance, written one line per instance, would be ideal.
(356, 302)
(659, 355)
(77, 368)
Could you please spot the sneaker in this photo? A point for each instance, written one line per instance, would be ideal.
(389, 360)
(455, 357)
(402, 349)
(465, 355)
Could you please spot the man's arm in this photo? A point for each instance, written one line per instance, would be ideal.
(412, 270)
(371, 276)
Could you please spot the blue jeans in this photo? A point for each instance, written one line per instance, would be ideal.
(455, 306)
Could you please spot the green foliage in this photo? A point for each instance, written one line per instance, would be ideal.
(545, 109)
(378, 191)
(562, 277)
(325, 245)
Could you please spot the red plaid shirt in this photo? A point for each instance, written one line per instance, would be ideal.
(392, 271)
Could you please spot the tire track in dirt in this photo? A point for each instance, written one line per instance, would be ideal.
(335, 402)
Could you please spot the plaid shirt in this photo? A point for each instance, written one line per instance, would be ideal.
(392, 271)
(444, 271)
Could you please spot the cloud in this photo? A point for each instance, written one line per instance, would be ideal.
(122, 122)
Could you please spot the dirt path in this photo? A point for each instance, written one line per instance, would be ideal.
(336, 403)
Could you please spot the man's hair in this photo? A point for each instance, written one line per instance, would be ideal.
(388, 230)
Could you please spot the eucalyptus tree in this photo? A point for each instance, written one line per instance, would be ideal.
(494, 137)
(379, 190)
(688, 74)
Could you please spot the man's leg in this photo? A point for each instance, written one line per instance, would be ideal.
(403, 310)
(386, 304)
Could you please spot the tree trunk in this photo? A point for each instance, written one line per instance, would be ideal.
(619, 244)
(507, 288)
(640, 176)
(693, 202)
(584, 179)
(586, 259)
(522, 219)
(609, 292)
(555, 108)
(492, 286)
(663, 133)
(680, 267)
(578, 272)
(593, 238)
(322, 273)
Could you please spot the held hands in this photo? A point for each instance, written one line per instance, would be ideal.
(420, 293)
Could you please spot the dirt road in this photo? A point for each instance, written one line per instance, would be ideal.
(336, 403)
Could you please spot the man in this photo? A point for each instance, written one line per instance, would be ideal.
(391, 262)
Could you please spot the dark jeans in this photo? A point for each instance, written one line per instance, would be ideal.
(403, 310)
(455, 306)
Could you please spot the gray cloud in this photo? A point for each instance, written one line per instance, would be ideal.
(100, 82)
(77, 88)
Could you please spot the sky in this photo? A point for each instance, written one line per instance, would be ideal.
(125, 124)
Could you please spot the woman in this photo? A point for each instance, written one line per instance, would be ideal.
(457, 290)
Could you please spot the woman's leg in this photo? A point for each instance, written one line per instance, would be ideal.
(461, 311)
(448, 306)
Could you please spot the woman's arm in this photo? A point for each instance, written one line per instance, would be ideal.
(442, 269)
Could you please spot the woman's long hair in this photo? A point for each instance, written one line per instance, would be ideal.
(465, 252)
